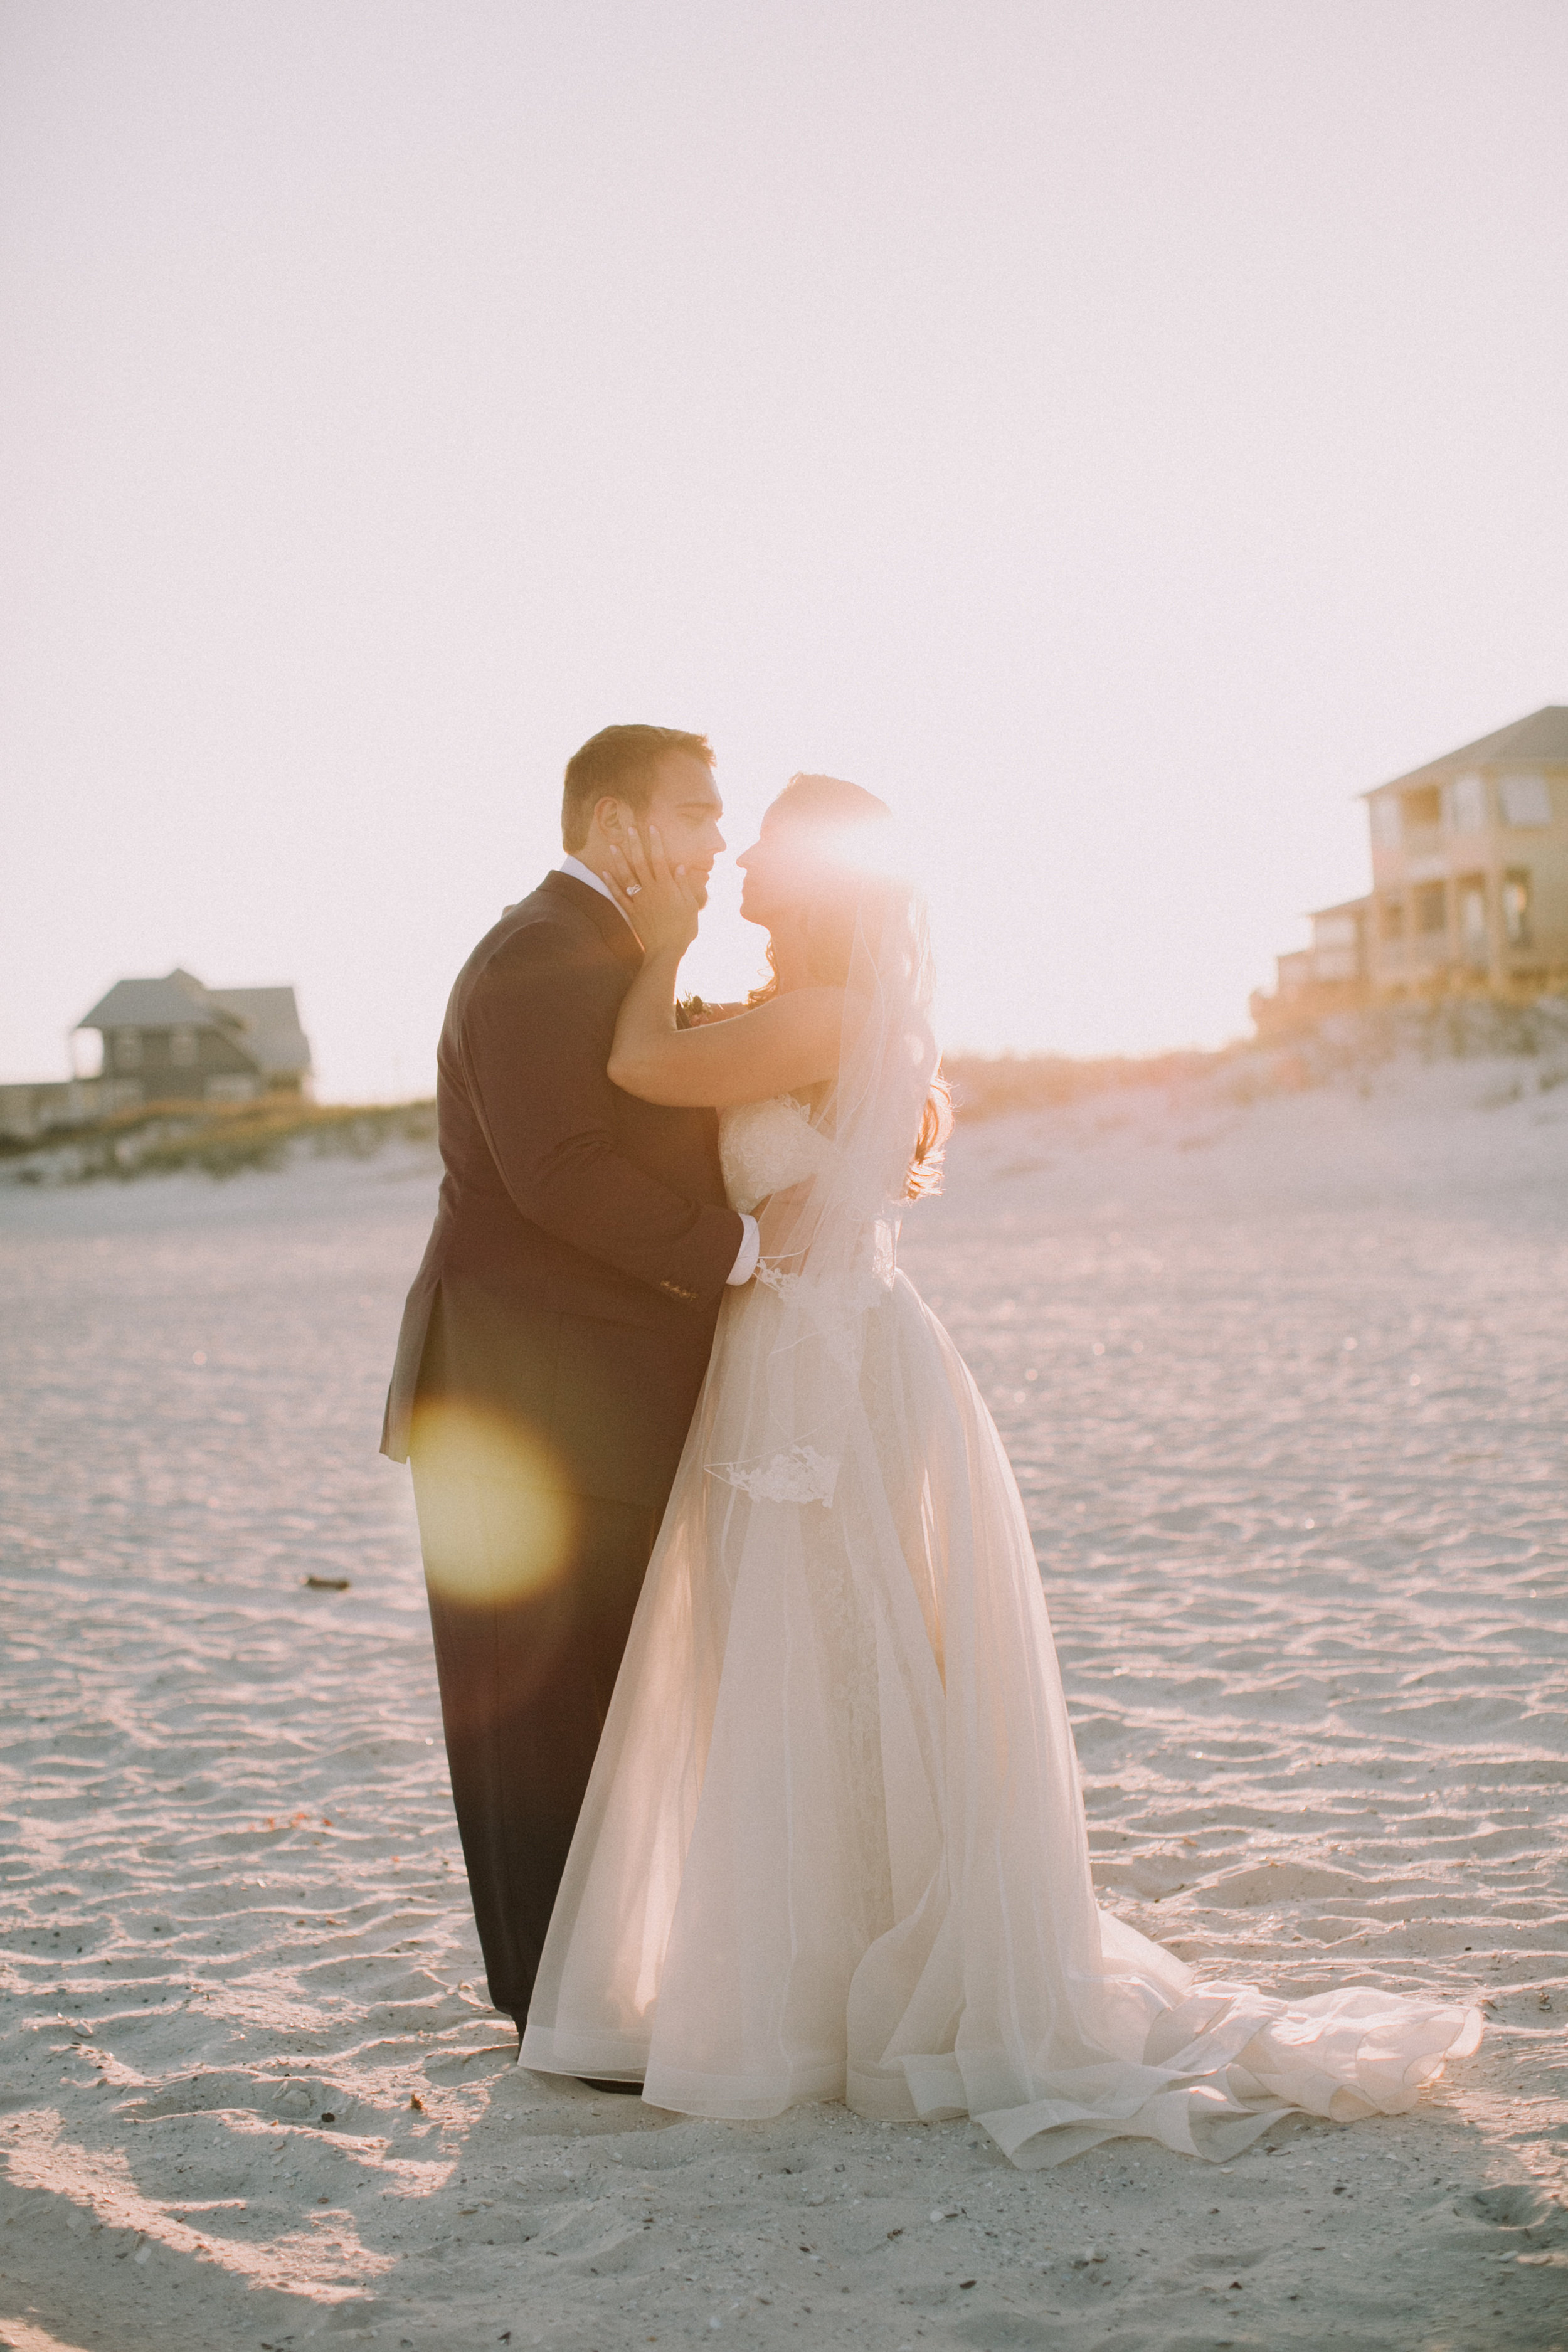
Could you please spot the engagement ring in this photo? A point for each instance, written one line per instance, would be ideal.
(633, 889)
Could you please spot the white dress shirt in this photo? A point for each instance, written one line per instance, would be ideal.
(746, 1264)
(580, 872)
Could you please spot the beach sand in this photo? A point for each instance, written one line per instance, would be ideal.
(1286, 1384)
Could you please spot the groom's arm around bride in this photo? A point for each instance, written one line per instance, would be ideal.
(555, 1341)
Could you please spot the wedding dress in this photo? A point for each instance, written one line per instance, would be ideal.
(834, 1845)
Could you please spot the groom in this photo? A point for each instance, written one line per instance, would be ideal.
(556, 1336)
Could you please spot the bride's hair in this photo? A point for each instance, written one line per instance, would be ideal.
(828, 805)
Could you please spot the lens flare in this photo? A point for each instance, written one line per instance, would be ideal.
(493, 1527)
(875, 849)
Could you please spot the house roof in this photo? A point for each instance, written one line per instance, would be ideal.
(263, 1022)
(271, 1022)
(1343, 907)
(178, 1001)
(1544, 736)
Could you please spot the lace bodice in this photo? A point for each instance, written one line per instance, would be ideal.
(765, 1146)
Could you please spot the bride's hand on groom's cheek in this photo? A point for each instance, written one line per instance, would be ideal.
(660, 901)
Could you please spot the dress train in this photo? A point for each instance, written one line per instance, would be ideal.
(834, 1844)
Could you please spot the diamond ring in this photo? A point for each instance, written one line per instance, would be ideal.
(633, 889)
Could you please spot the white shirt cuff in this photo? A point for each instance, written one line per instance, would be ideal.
(745, 1265)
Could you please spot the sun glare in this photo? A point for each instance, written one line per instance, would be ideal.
(493, 1527)
(876, 849)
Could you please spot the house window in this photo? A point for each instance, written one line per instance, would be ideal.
(1422, 810)
(1467, 804)
(1432, 908)
(1385, 814)
(1516, 906)
(1391, 918)
(127, 1049)
(182, 1048)
(1473, 919)
(1526, 800)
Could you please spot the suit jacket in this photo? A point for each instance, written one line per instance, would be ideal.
(568, 1294)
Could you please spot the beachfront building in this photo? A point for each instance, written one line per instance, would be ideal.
(1469, 882)
(1334, 969)
(172, 1040)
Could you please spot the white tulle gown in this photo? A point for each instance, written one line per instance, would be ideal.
(834, 1845)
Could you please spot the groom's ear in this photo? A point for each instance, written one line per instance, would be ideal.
(609, 816)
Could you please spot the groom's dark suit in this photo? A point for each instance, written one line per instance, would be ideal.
(551, 1350)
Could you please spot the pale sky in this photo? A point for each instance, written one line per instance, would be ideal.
(1116, 434)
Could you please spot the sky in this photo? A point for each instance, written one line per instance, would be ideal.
(1118, 434)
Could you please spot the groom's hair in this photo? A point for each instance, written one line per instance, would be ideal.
(619, 759)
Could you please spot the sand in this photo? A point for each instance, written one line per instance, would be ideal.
(1287, 1388)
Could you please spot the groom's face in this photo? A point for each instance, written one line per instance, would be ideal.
(684, 807)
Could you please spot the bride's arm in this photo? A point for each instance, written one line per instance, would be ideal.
(791, 1040)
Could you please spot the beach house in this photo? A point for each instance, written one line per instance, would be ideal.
(171, 1041)
(1469, 882)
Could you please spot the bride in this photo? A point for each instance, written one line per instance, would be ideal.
(834, 1845)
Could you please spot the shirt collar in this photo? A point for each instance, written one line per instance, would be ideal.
(580, 872)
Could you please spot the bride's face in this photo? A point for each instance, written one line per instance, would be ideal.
(783, 868)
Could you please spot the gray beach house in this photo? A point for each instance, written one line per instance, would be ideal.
(171, 1041)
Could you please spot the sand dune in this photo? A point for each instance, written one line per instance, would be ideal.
(1287, 1387)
